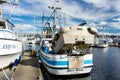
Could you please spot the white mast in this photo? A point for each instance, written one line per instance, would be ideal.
(1, 8)
(54, 14)
(8, 2)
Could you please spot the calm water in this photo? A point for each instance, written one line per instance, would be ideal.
(106, 64)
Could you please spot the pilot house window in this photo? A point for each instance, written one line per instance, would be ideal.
(2, 25)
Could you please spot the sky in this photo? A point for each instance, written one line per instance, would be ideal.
(27, 16)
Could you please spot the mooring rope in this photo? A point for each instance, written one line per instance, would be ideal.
(5, 74)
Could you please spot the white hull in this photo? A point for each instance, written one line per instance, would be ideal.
(59, 64)
(102, 46)
(103, 43)
(6, 60)
(68, 71)
(10, 50)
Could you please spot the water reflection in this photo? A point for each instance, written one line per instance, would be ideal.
(106, 64)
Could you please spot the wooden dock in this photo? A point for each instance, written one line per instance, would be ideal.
(28, 69)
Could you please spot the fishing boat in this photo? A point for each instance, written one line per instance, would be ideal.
(103, 42)
(65, 51)
(10, 44)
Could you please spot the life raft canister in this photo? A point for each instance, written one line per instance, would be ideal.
(93, 31)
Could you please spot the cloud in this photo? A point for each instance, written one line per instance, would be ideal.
(16, 19)
(102, 23)
(116, 19)
(100, 10)
(115, 25)
(24, 26)
(92, 25)
(70, 7)
(115, 5)
(99, 3)
(90, 10)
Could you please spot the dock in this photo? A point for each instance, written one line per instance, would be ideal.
(28, 69)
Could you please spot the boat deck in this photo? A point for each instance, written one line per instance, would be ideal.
(28, 69)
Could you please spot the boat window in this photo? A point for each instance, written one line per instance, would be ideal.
(2, 25)
(10, 27)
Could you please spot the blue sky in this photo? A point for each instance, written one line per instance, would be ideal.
(96, 13)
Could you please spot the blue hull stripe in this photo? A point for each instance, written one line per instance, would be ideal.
(61, 63)
(87, 61)
(58, 63)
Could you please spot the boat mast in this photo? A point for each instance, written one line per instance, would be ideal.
(1, 8)
(35, 27)
(103, 32)
(54, 14)
(8, 2)
(42, 25)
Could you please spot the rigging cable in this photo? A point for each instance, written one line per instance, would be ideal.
(12, 11)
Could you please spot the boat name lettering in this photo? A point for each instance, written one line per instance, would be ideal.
(9, 46)
(75, 70)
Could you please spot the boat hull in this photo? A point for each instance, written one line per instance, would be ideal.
(10, 50)
(59, 64)
(67, 71)
(6, 60)
(102, 46)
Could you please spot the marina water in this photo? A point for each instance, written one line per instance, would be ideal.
(106, 63)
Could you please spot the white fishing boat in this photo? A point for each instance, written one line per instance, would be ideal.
(69, 54)
(66, 51)
(103, 42)
(10, 44)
